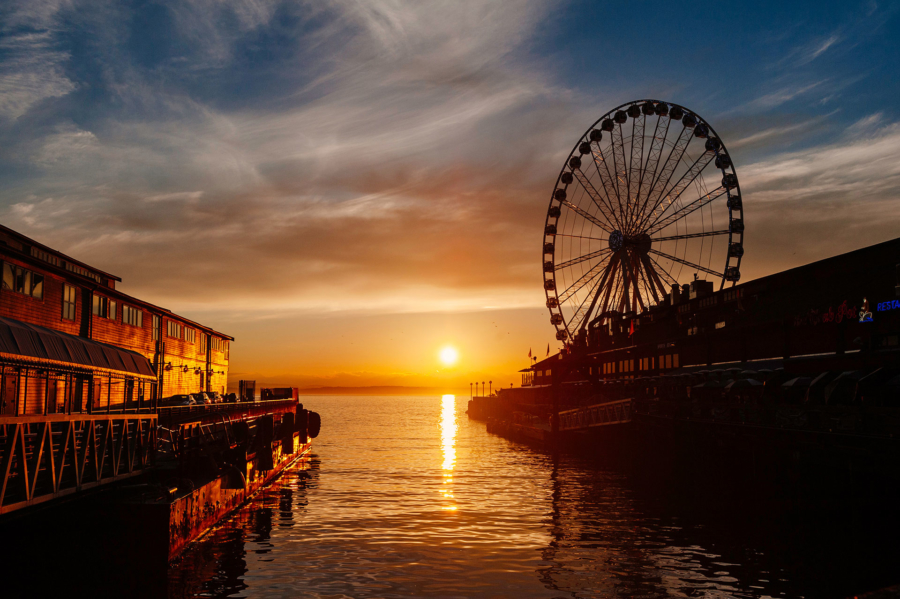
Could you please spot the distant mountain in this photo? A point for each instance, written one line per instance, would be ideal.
(379, 390)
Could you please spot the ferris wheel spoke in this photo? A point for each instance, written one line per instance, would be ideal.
(595, 294)
(644, 163)
(648, 280)
(611, 189)
(687, 263)
(581, 315)
(595, 196)
(636, 165)
(581, 259)
(653, 156)
(587, 216)
(618, 146)
(654, 276)
(612, 291)
(580, 237)
(686, 179)
(658, 225)
(645, 280)
(586, 278)
(691, 235)
(665, 273)
(637, 297)
(665, 175)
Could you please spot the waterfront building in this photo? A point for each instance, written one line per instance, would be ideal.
(44, 287)
(83, 367)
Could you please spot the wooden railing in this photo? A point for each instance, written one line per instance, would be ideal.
(43, 457)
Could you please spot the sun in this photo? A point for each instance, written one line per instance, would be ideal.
(449, 356)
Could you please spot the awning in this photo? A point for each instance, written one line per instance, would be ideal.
(28, 342)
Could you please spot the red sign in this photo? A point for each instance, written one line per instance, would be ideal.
(814, 317)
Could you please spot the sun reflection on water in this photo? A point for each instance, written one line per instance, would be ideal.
(448, 447)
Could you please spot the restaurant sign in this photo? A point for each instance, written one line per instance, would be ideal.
(888, 305)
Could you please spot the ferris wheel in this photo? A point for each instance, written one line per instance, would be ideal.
(647, 199)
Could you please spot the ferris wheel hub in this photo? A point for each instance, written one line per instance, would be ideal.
(616, 240)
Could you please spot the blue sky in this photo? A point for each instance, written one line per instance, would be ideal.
(360, 160)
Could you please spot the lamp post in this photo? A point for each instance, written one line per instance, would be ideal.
(490, 387)
(482, 388)
(471, 395)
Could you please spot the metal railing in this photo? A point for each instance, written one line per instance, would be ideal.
(615, 412)
(172, 415)
(47, 456)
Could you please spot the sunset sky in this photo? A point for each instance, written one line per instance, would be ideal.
(349, 187)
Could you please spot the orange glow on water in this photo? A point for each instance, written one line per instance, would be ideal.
(448, 448)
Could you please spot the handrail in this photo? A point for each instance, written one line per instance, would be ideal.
(77, 417)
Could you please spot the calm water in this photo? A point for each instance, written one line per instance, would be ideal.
(405, 497)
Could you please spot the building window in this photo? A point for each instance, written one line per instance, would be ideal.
(21, 280)
(202, 344)
(132, 316)
(734, 294)
(227, 350)
(155, 327)
(104, 307)
(68, 307)
(189, 335)
(173, 329)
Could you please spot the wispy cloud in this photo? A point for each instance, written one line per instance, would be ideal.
(772, 133)
(813, 50)
(783, 95)
(32, 67)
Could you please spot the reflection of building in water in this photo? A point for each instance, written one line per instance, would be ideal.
(602, 544)
(216, 566)
(448, 448)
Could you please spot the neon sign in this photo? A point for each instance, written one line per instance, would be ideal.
(889, 305)
(865, 315)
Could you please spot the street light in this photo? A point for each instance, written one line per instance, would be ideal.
(490, 387)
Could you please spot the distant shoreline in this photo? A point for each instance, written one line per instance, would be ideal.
(379, 390)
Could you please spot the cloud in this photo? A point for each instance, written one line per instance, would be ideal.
(783, 95)
(811, 51)
(32, 68)
(807, 205)
(768, 135)
(414, 176)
